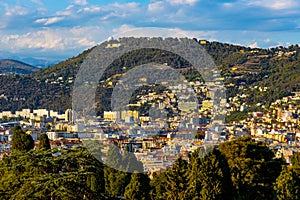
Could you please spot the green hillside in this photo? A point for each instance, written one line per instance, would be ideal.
(243, 68)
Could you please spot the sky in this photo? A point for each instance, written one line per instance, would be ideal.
(56, 29)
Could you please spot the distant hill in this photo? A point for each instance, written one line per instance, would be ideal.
(8, 66)
(247, 72)
(41, 63)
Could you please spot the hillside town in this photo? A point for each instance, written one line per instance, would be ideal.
(156, 141)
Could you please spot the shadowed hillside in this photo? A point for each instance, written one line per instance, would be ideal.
(16, 67)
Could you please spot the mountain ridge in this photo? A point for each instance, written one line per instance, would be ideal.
(242, 69)
(10, 66)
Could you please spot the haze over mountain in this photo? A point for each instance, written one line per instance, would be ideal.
(34, 61)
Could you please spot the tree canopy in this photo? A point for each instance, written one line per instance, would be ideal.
(21, 141)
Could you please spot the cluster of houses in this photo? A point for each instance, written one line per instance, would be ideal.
(158, 141)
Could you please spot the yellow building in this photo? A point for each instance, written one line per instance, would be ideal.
(130, 113)
(207, 104)
(111, 115)
(203, 42)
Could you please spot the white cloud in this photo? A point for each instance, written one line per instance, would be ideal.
(54, 40)
(16, 10)
(41, 39)
(85, 42)
(156, 6)
(80, 2)
(284, 44)
(91, 9)
(276, 4)
(182, 2)
(70, 10)
(123, 28)
(228, 5)
(49, 21)
(130, 5)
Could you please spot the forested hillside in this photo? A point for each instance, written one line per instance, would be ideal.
(16, 67)
(244, 69)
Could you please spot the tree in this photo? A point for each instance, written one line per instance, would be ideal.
(71, 174)
(21, 141)
(287, 185)
(158, 186)
(209, 177)
(253, 169)
(115, 179)
(138, 188)
(44, 142)
(295, 161)
(130, 163)
(176, 180)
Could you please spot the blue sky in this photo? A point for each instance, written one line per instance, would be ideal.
(56, 29)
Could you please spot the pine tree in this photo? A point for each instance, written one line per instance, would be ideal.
(115, 179)
(75, 174)
(44, 142)
(176, 180)
(158, 186)
(209, 177)
(295, 161)
(21, 141)
(287, 185)
(138, 188)
(252, 167)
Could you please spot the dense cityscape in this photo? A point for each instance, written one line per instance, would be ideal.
(150, 100)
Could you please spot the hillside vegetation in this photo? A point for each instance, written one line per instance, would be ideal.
(245, 70)
(8, 66)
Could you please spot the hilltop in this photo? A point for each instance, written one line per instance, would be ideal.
(8, 66)
(259, 75)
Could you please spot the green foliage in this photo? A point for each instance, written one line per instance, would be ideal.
(295, 161)
(252, 167)
(209, 177)
(5, 119)
(21, 141)
(176, 181)
(157, 185)
(287, 185)
(41, 174)
(118, 171)
(44, 142)
(115, 182)
(236, 116)
(240, 169)
(138, 188)
(257, 67)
